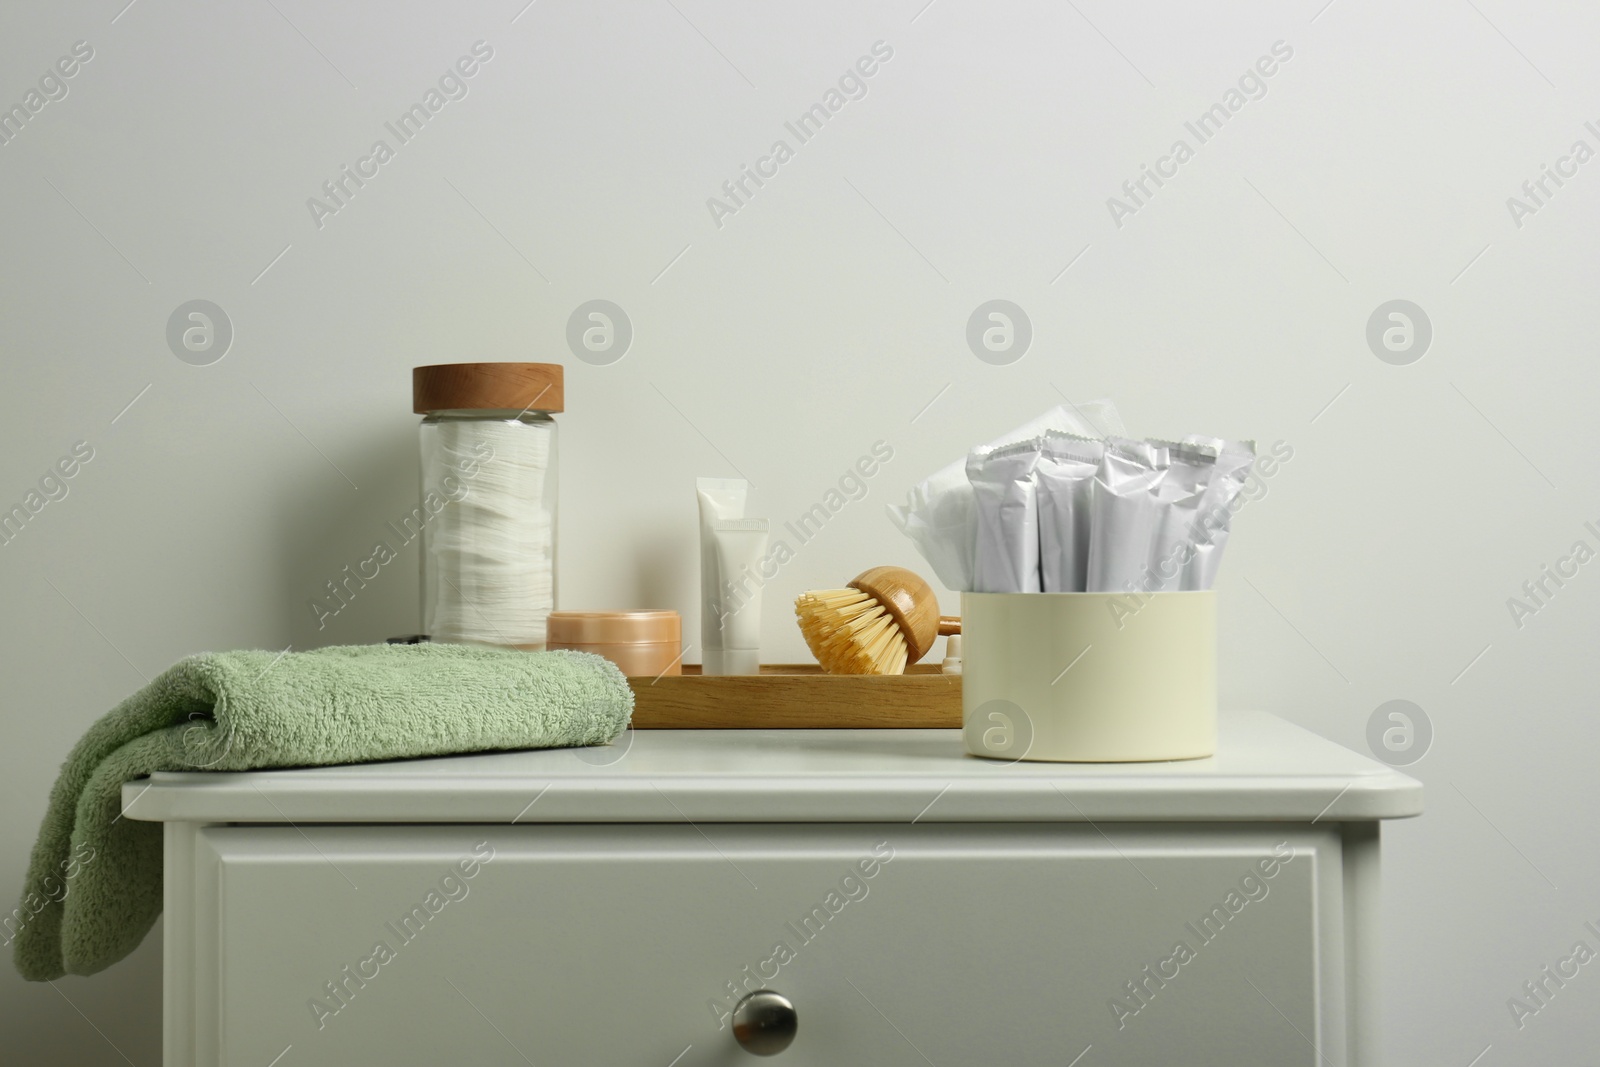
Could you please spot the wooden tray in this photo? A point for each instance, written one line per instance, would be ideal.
(798, 697)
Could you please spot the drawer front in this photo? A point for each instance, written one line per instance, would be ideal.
(898, 944)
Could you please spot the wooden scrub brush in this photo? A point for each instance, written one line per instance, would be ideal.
(887, 618)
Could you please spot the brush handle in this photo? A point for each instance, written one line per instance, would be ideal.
(909, 600)
(949, 625)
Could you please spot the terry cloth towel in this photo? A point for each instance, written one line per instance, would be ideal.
(94, 883)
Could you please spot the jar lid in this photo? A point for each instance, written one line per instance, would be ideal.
(615, 627)
(487, 387)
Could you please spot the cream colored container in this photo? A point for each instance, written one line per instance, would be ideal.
(643, 643)
(1089, 677)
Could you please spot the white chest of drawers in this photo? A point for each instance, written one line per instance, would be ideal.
(915, 905)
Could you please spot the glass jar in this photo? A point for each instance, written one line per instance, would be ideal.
(487, 516)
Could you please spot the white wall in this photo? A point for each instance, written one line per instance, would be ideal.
(823, 316)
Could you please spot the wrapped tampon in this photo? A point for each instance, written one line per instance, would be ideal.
(1215, 513)
(1064, 480)
(1123, 520)
(1006, 553)
(1189, 470)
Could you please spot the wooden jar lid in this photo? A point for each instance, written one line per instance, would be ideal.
(487, 386)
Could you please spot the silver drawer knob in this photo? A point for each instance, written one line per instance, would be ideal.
(764, 1023)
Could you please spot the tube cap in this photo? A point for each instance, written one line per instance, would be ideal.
(740, 661)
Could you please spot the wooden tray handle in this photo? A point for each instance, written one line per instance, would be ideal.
(949, 625)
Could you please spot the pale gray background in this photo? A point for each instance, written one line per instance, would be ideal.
(828, 314)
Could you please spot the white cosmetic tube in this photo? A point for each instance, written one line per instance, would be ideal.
(720, 499)
(740, 546)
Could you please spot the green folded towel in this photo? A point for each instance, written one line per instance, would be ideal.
(94, 884)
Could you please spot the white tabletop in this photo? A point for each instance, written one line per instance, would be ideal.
(1264, 769)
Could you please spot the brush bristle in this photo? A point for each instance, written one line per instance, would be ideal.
(850, 632)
